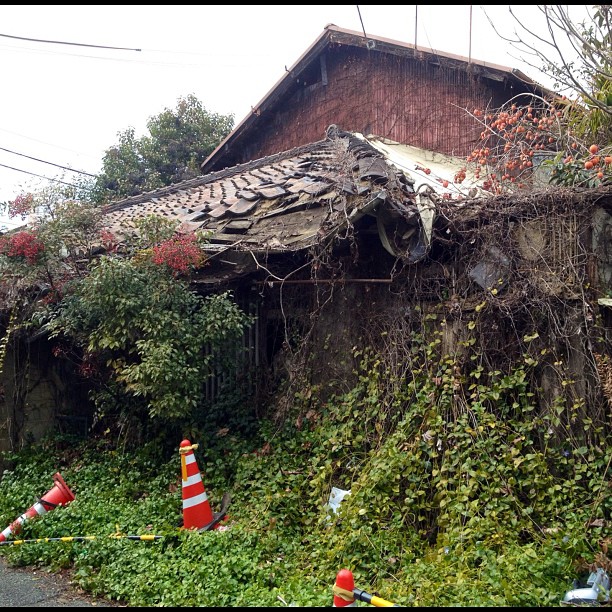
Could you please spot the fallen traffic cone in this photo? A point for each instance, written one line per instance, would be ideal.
(59, 495)
(197, 513)
(343, 589)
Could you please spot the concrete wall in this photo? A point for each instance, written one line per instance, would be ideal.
(40, 394)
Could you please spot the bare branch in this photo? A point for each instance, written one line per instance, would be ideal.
(577, 56)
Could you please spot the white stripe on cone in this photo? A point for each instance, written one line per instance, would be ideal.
(195, 500)
(191, 480)
(16, 525)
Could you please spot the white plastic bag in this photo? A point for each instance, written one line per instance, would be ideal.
(335, 497)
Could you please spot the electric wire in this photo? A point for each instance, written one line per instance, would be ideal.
(49, 143)
(39, 175)
(361, 20)
(48, 162)
(213, 55)
(141, 62)
(59, 42)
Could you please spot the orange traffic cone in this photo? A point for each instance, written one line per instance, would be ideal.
(59, 495)
(197, 513)
(343, 589)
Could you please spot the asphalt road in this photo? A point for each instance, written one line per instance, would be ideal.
(35, 588)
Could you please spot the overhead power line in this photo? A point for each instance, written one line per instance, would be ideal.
(49, 143)
(59, 42)
(38, 175)
(124, 60)
(48, 162)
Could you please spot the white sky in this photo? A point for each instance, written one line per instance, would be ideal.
(66, 104)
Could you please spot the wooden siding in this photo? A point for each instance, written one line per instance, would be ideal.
(410, 101)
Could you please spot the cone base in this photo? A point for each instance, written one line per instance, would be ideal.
(59, 495)
(217, 516)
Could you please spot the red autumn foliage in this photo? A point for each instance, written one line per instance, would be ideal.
(109, 242)
(180, 253)
(21, 206)
(22, 244)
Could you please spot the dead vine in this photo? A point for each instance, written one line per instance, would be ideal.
(514, 269)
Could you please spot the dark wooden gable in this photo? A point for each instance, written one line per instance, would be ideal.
(373, 86)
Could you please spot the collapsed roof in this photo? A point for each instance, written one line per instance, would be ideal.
(294, 200)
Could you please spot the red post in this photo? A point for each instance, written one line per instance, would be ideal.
(343, 589)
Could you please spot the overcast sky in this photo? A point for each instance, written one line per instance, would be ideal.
(66, 103)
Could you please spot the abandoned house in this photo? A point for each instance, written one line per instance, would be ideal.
(333, 215)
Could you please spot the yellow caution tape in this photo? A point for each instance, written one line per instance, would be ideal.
(379, 602)
(373, 599)
(147, 537)
(186, 449)
(343, 593)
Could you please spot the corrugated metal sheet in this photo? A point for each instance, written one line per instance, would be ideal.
(430, 169)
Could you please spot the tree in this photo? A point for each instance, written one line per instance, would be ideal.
(567, 134)
(578, 56)
(37, 260)
(178, 142)
(129, 321)
(154, 339)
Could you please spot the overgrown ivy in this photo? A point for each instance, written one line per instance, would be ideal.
(474, 502)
